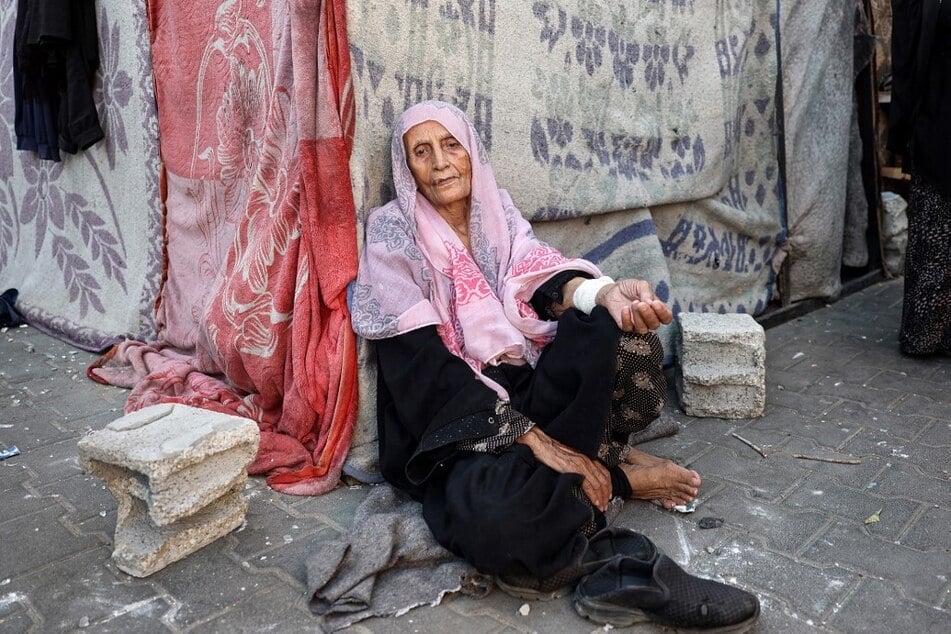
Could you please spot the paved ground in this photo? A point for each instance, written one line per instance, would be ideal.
(794, 529)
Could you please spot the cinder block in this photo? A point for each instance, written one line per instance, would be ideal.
(722, 371)
(141, 547)
(732, 340)
(176, 472)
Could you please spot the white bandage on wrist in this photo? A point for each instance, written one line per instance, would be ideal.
(587, 292)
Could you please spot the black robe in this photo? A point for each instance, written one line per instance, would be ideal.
(506, 513)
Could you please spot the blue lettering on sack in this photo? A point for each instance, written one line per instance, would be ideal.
(697, 244)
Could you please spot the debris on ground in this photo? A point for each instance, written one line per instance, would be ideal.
(710, 522)
(9, 452)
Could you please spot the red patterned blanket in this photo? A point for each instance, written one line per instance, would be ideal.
(256, 124)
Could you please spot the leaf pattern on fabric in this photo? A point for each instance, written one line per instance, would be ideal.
(47, 205)
(100, 243)
(43, 201)
(79, 282)
(591, 40)
(656, 57)
(113, 90)
(62, 240)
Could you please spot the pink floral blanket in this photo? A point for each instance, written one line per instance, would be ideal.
(256, 124)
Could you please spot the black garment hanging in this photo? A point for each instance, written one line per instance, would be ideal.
(56, 54)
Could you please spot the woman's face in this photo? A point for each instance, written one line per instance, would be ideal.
(439, 163)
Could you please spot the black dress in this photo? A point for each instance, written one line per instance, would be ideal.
(920, 130)
(56, 54)
(503, 511)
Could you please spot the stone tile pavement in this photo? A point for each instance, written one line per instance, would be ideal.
(794, 530)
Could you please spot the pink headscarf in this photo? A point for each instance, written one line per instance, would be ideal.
(415, 272)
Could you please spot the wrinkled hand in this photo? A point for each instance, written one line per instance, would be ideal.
(634, 306)
(563, 459)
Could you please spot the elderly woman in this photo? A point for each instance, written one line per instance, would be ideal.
(509, 376)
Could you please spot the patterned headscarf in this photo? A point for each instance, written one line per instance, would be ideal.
(415, 272)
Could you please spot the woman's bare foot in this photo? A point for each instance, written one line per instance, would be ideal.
(659, 480)
(637, 457)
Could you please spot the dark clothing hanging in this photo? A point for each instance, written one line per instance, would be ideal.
(56, 54)
(920, 129)
(35, 120)
(505, 512)
(919, 118)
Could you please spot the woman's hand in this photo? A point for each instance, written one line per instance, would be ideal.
(634, 306)
(563, 459)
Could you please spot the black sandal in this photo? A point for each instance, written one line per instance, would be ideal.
(626, 591)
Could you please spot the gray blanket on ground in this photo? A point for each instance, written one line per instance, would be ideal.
(389, 562)
(386, 565)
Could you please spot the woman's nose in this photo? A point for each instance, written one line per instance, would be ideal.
(440, 160)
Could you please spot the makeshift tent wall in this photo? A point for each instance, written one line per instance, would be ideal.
(642, 135)
(82, 239)
(645, 136)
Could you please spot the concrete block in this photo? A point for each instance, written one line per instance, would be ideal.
(176, 472)
(722, 372)
(724, 341)
(141, 547)
(722, 401)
